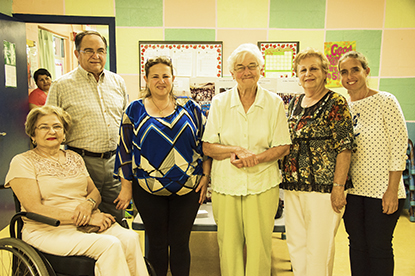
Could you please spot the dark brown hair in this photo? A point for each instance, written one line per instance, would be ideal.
(150, 63)
(81, 35)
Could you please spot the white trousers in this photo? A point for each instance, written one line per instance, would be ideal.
(117, 250)
(311, 226)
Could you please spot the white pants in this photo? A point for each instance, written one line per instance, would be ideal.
(117, 250)
(311, 226)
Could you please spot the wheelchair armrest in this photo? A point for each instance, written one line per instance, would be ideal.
(43, 219)
(40, 218)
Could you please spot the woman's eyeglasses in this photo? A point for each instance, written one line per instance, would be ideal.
(56, 128)
(251, 67)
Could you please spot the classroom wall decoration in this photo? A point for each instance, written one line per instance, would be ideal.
(279, 57)
(190, 59)
(333, 51)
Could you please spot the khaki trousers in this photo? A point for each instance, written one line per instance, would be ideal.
(245, 220)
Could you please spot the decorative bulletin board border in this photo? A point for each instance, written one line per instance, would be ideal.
(190, 58)
(279, 57)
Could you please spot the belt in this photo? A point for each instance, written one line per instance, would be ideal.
(82, 152)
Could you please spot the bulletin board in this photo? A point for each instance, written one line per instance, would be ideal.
(190, 59)
(279, 57)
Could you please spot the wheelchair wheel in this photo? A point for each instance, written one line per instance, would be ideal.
(150, 268)
(19, 258)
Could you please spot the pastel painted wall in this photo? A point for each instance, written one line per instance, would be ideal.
(384, 30)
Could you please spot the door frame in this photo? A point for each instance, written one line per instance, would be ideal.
(79, 20)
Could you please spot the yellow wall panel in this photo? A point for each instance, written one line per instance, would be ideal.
(90, 7)
(400, 14)
(131, 81)
(233, 38)
(127, 46)
(308, 38)
(355, 14)
(184, 13)
(55, 7)
(373, 82)
(242, 13)
(398, 53)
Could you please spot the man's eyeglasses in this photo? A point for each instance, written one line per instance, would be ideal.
(56, 128)
(90, 52)
(241, 68)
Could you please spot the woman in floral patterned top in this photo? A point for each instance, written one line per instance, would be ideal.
(315, 173)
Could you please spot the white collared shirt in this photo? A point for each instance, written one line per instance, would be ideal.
(264, 126)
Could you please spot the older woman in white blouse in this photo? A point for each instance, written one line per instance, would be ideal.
(374, 204)
(246, 134)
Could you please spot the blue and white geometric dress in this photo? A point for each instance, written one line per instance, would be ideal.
(163, 153)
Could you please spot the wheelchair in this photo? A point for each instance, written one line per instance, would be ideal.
(20, 258)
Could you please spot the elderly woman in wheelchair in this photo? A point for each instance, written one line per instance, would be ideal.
(54, 182)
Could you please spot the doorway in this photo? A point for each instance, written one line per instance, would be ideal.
(51, 46)
(78, 20)
(13, 98)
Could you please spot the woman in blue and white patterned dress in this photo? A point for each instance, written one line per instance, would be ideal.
(376, 200)
(161, 166)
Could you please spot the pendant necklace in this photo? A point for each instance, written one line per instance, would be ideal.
(160, 110)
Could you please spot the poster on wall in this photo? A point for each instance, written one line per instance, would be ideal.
(202, 90)
(279, 57)
(9, 51)
(333, 51)
(190, 59)
(32, 64)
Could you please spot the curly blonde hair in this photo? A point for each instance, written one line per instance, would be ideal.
(36, 113)
(311, 52)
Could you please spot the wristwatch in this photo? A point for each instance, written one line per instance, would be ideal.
(94, 203)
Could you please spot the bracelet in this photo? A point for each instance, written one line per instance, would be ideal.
(338, 185)
(94, 203)
(207, 175)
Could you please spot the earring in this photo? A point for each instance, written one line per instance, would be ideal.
(64, 140)
(34, 142)
(299, 83)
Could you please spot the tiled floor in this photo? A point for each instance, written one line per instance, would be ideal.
(205, 259)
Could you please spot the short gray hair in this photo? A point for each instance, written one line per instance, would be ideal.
(239, 54)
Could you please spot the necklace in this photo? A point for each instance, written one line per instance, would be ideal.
(312, 101)
(160, 110)
(44, 154)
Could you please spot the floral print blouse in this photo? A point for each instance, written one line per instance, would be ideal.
(319, 133)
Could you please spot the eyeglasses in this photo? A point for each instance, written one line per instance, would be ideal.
(90, 52)
(241, 68)
(56, 128)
